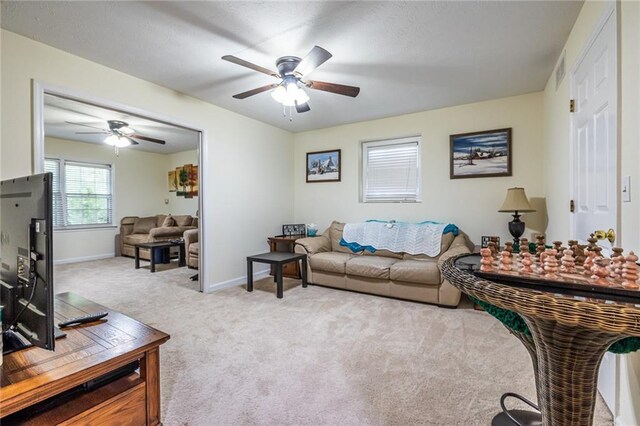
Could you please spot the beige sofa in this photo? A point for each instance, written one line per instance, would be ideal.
(135, 230)
(386, 273)
(192, 247)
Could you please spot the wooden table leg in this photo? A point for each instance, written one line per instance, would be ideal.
(279, 290)
(137, 256)
(249, 275)
(150, 371)
(304, 271)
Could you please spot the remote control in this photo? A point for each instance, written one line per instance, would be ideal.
(83, 319)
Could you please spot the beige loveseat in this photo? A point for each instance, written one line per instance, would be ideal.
(135, 230)
(386, 273)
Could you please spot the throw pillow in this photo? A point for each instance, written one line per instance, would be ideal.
(168, 221)
(144, 225)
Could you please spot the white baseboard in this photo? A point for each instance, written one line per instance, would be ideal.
(83, 259)
(235, 281)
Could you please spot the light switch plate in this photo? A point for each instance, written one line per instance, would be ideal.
(626, 189)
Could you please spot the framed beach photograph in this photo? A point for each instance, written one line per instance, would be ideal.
(481, 154)
(323, 166)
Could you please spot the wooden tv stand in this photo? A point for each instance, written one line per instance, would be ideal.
(89, 351)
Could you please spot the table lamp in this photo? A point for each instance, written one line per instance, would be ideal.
(516, 203)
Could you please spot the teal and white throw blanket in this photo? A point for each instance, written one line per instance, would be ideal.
(412, 238)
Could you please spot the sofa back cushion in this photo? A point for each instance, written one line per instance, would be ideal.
(383, 253)
(447, 239)
(145, 224)
(335, 234)
(168, 221)
(183, 220)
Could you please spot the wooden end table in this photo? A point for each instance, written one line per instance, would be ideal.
(277, 259)
(287, 244)
(159, 246)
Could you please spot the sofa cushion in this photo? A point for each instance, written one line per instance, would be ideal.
(383, 253)
(133, 239)
(370, 266)
(168, 221)
(329, 261)
(445, 243)
(416, 271)
(144, 224)
(335, 232)
(183, 220)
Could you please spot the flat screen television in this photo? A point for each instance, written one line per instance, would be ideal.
(26, 262)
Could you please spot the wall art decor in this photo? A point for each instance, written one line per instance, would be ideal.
(323, 166)
(184, 181)
(480, 154)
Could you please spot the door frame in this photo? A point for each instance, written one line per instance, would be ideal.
(610, 12)
(40, 88)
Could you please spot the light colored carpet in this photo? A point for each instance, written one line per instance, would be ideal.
(317, 357)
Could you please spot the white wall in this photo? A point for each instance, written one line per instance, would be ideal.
(472, 204)
(243, 203)
(556, 157)
(139, 180)
(180, 205)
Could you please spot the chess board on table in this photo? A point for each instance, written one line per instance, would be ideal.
(576, 283)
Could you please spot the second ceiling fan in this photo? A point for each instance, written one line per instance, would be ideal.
(292, 71)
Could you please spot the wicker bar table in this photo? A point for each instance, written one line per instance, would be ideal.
(570, 335)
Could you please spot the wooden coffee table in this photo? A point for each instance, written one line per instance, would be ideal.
(157, 247)
(277, 259)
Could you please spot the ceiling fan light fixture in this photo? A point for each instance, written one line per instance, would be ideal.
(117, 141)
(279, 94)
(127, 130)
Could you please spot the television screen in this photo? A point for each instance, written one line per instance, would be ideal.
(26, 262)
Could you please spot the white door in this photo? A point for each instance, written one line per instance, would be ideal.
(594, 157)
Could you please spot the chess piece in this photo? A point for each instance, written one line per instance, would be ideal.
(578, 250)
(593, 242)
(524, 245)
(505, 261)
(588, 262)
(557, 245)
(492, 247)
(568, 262)
(486, 263)
(630, 271)
(540, 244)
(600, 271)
(550, 263)
(526, 263)
(508, 246)
(617, 260)
(598, 251)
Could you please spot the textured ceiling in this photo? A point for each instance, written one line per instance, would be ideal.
(405, 56)
(57, 111)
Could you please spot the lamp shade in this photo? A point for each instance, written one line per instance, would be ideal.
(516, 201)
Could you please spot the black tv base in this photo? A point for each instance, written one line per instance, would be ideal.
(12, 341)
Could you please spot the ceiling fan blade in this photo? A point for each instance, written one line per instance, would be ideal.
(147, 138)
(86, 125)
(302, 107)
(249, 65)
(340, 89)
(316, 57)
(133, 142)
(248, 93)
(93, 133)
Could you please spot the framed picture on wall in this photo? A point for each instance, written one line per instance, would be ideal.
(323, 166)
(480, 154)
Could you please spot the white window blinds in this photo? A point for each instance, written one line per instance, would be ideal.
(82, 193)
(391, 170)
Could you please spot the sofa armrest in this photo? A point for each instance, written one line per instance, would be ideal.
(190, 236)
(126, 225)
(313, 245)
(166, 231)
(458, 246)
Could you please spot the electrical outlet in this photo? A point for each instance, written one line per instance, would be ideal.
(626, 189)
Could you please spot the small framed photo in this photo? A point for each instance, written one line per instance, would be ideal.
(486, 239)
(323, 166)
(481, 154)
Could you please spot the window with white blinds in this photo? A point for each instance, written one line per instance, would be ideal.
(82, 193)
(391, 170)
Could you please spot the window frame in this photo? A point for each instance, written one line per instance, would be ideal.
(391, 141)
(63, 193)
